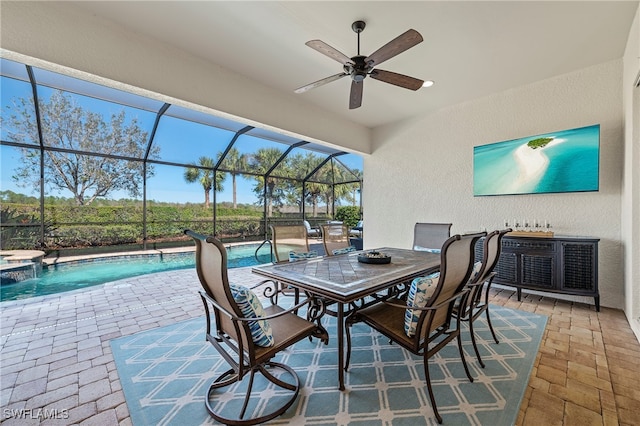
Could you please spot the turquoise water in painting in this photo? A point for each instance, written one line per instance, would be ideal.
(570, 163)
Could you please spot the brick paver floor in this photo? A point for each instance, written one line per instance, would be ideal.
(56, 360)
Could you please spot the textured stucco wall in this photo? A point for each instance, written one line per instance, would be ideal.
(421, 171)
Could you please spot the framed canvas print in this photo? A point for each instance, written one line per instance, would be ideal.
(564, 161)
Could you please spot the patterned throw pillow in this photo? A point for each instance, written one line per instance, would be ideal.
(419, 293)
(430, 250)
(296, 256)
(250, 306)
(343, 250)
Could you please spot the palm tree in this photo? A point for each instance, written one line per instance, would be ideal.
(327, 174)
(356, 187)
(262, 161)
(301, 166)
(313, 194)
(204, 174)
(236, 163)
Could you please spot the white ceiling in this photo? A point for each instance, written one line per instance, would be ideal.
(470, 49)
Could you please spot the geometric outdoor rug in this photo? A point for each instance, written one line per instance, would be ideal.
(165, 373)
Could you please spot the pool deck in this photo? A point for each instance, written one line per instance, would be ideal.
(55, 352)
(53, 260)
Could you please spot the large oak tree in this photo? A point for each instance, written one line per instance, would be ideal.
(70, 135)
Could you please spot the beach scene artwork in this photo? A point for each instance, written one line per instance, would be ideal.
(564, 161)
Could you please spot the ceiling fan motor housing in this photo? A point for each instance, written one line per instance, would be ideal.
(359, 70)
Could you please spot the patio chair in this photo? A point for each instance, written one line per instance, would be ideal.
(421, 321)
(288, 239)
(430, 236)
(311, 232)
(247, 343)
(335, 239)
(289, 244)
(356, 231)
(477, 300)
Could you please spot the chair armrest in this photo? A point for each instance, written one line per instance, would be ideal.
(479, 283)
(284, 311)
(261, 283)
(429, 308)
(233, 316)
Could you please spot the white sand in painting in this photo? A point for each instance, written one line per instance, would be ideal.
(532, 163)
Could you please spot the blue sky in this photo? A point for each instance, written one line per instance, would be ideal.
(180, 141)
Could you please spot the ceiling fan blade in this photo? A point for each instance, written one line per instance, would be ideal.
(355, 98)
(400, 80)
(320, 82)
(329, 51)
(398, 45)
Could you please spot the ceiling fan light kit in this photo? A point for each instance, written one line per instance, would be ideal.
(359, 67)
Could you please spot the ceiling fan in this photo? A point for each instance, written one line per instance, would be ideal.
(359, 67)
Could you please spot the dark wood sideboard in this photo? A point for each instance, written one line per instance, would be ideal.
(566, 265)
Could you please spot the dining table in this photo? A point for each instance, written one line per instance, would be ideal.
(345, 279)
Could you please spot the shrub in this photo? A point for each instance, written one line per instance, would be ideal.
(108, 223)
(349, 215)
(21, 229)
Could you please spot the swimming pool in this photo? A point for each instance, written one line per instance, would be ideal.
(75, 275)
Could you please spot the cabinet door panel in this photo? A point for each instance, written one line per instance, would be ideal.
(537, 271)
(506, 268)
(579, 268)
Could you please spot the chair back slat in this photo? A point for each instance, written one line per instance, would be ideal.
(286, 238)
(334, 237)
(430, 235)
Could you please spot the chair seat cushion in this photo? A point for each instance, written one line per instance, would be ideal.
(343, 250)
(388, 318)
(296, 256)
(419, 293)
(287, 330)
(250, 306)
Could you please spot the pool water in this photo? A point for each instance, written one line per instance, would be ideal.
(72, 276)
